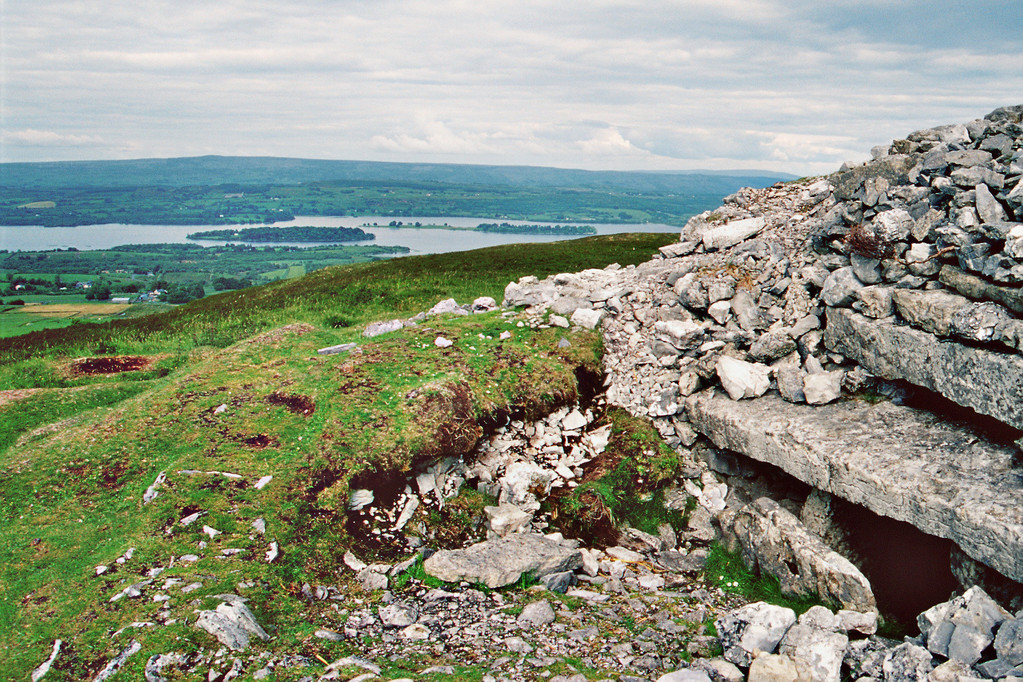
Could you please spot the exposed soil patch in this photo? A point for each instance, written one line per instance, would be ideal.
(114, 364)
(260, 441)
(296, 404)
(17, 394)
(275, 335)
(449, 406)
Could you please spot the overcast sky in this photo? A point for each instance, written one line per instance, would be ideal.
(790, 85)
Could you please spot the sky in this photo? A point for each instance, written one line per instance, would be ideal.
(798, 86)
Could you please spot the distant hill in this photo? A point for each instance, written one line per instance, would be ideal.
(219, 170)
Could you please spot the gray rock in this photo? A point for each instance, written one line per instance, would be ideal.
(718, 669)
(876, 301)
(922, 259)
(743, 379)
(978, 288)
(506, 518)
(559, 582)
(754, 628)
(398, 614)
(821, 650)
(500, 562)
(587, 319)
(685, 675)
(979, 321)
(840, 288)
(772, 345)
(780, 668)
(233, 624)
(824, 387)
(747, 313)
(117, 662)
(963, 627)
(931, 311)
(378, 328)
(678, 249)
(776, 541)
(895, 168)
(989, 382)
(988, 208)
(867, 270)
(566, 305)
(536, 614)
(907, 663)
(907, 464)
(893, 225)
(1009, 641)
(790, 384)
(732, 233)
(976, 175)
(483, 304)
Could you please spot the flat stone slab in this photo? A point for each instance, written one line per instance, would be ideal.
(987, 381)
(502, 561)
(907, 464)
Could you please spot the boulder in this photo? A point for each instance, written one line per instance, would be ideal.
(963, 627)
(780, 668)
(502, 561)
(232, 623)
(931, 311)
(821, 650)
(587, 319)
(753, 629)
(775, 540)
(840, 288)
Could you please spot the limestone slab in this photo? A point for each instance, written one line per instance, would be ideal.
(987, 381)
(900, 462)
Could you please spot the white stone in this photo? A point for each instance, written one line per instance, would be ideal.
(506, 518)
(824, 387)
(442, 342)
(732, 233)
(574, 421)
(743, 379)
(261, 483)
(359, 498)
(587, 319)
(558, 321)
(720, 311)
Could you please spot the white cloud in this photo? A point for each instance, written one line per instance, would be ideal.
(49, 138)
(797, 84)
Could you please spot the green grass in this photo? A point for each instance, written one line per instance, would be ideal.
(361, 293)
(728, 571)
(72, 495)
(624, 486)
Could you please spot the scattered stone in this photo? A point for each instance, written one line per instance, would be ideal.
(232, 623)
(536, 614)
(44, 667)
(502, 561)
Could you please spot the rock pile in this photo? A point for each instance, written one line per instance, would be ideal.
(967, 638)
(905, 267)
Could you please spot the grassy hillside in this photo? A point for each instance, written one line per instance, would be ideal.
(228, 390)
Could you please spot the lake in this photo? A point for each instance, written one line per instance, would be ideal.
(419, 240)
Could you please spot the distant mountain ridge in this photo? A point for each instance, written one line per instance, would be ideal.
(218, 170)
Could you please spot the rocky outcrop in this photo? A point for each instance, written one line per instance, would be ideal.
(900, 462)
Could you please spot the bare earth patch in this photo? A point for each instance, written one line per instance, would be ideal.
(113, 364)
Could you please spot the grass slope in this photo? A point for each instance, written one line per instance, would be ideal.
(232, 385)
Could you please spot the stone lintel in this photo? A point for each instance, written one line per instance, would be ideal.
(897, 461)
(987, 381)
